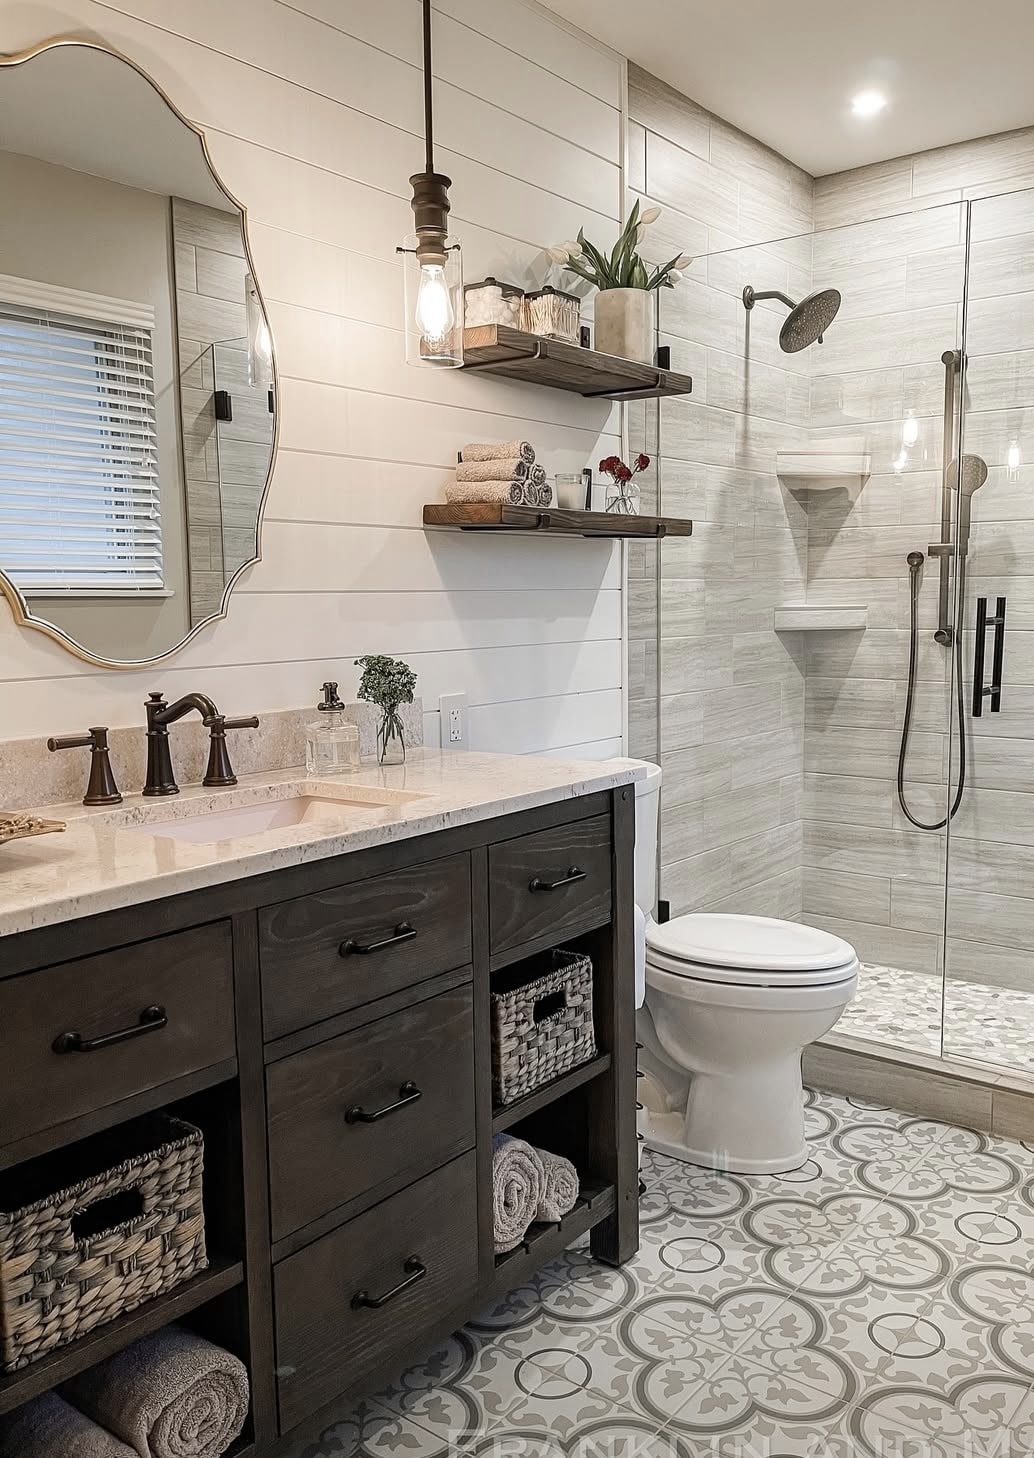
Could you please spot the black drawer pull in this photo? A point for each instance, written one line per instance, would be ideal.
(573, 874)
(408, 1094)
(151, 1020)
(415, 1271)
(402, 933)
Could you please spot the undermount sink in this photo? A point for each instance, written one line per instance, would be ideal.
(205, 825)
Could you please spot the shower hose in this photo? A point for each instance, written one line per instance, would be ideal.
(915, 562)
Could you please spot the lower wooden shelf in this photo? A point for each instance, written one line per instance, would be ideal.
(556, 1088)
(543, 1242)
(494, 516)
(65, 1362)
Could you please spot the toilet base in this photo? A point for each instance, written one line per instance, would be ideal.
(664, 1139)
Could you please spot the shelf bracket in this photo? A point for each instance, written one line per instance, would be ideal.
(649, 391)
(539, 352)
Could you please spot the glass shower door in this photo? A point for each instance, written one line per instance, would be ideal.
(989, 915)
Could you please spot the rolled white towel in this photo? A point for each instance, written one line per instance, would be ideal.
(50, 1427)
(510, 493)
(560, 1186)
(506, 468)
(517, 1184)
(498, 450)
(540, 494)
(169, 1395)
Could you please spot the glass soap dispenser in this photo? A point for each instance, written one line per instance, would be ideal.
(331, 743)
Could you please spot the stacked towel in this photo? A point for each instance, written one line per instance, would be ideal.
(498, 451)
(506, 468)
(528, 1184)
(49, 1427)
(510, 493)
(514, 480)
(170, 1395)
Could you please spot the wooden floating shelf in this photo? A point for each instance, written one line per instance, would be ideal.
(491, 516)
(555, 1089)
(65, 1362)
(819, 617)
(563, 366)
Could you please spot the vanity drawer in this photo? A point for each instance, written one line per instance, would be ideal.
(188, 975)
(411, 1075)
(550, 883)
(326, 1336)
(335, 950)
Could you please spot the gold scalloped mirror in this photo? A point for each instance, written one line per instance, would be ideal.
(138, 400)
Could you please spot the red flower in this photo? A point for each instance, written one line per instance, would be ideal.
(641, 462)
(621, 472)
(608, 464)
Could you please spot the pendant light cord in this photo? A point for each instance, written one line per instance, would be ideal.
(428, 117)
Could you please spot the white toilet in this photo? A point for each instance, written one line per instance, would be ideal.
(730, 1004)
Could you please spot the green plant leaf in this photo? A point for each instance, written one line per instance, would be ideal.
(660, 277)
(638, 275)
(598, 261)
(625, 239)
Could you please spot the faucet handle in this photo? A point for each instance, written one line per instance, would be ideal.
(101, 789)
(220, 771)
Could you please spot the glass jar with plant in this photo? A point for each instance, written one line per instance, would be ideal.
(622, 492)
(627, 284)
(388, 683)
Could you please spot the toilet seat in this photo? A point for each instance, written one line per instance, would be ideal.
(748, 951)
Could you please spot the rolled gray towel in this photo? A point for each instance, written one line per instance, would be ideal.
(462, 493)
(517, 1179)
(170, 1395)
(507, 468)
(49, 1427)
(498, 450)
(560, 1186)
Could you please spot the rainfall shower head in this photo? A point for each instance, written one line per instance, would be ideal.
(806, 322)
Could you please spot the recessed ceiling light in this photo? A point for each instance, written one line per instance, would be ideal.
(868, 103)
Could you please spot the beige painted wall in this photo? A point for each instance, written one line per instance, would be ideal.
(84, 232)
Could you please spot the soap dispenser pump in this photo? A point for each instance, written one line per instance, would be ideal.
(331, 742)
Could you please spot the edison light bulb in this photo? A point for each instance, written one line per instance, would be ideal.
(910, 431)
(1013, 459)
(435, 316)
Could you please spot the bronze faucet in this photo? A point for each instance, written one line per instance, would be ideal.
(102, 789)
(160, 777)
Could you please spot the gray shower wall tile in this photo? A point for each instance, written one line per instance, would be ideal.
(912, 336)
(636, 156)
(710, 824)
(987, 962)
(1005, 869)
(691, 184)
(1002, 215)
(885, 946)
(1001, 764)
(845, 702)
(693, 774)
(662, 109)
(778, 896)
(897, 236)
(870, 850)
(692, 664)
(1000, 325)
(863, 192)
(872, 753)
(846, 893)
(1006, 157)
(846, 797)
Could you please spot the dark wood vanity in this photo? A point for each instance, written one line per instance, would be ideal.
(327, 1026)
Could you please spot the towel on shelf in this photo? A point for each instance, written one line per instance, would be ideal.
(509, 493)
(170, 1395)
(49, 1427)
(559, 1186)
(498, 451)
(517, 1180)
(506, 468)
(541, 495)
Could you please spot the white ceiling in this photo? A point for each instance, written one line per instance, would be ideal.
(785, 70)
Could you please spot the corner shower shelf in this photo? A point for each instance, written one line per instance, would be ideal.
(824, 470)
(819, 617)
(562, 366)
(491, 516)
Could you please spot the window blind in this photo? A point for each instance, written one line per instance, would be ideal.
(79, 504)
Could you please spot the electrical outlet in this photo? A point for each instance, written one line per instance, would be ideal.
(453, 711)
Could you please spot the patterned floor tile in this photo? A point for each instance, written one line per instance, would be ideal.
(619, 1435)
(368, 1431)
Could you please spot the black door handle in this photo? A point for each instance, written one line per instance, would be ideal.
(992, 691)
(408, 1094)
(152, 1020)
(402, 933)
(415, 1271)
(573, 874)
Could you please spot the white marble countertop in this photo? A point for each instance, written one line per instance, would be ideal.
(110, 858)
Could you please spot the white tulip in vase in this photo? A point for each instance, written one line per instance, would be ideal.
(625, 324)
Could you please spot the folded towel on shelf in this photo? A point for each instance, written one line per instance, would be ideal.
(498, 451)
(509, 493)
(538, 495)
(170, 1395)
(49, 1427)
(506, 468)
(517, 1179)
(559, 1186)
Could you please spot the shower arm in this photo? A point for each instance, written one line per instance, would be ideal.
(755, 298)
(951, 359)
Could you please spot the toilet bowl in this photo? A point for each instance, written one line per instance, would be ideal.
(731, 1002)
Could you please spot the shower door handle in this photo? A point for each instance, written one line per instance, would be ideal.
(993, 690)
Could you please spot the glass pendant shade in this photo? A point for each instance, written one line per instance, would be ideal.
(433, 306)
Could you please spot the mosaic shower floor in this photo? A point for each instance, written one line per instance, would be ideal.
(878, 1303)
(989, 1024)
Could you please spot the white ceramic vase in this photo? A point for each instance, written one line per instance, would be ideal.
(624, 323)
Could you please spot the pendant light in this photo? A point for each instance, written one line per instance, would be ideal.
(432, 262)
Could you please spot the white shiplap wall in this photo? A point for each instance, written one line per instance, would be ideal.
(313, 113)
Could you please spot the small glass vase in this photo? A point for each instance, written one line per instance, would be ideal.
(391, 737)
(623, 498)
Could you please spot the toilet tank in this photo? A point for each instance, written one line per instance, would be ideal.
(647, 808)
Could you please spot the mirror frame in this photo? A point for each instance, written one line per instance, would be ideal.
(20, 608)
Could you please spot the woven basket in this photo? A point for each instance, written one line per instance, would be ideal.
(542, 1027)
(89, 1233)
